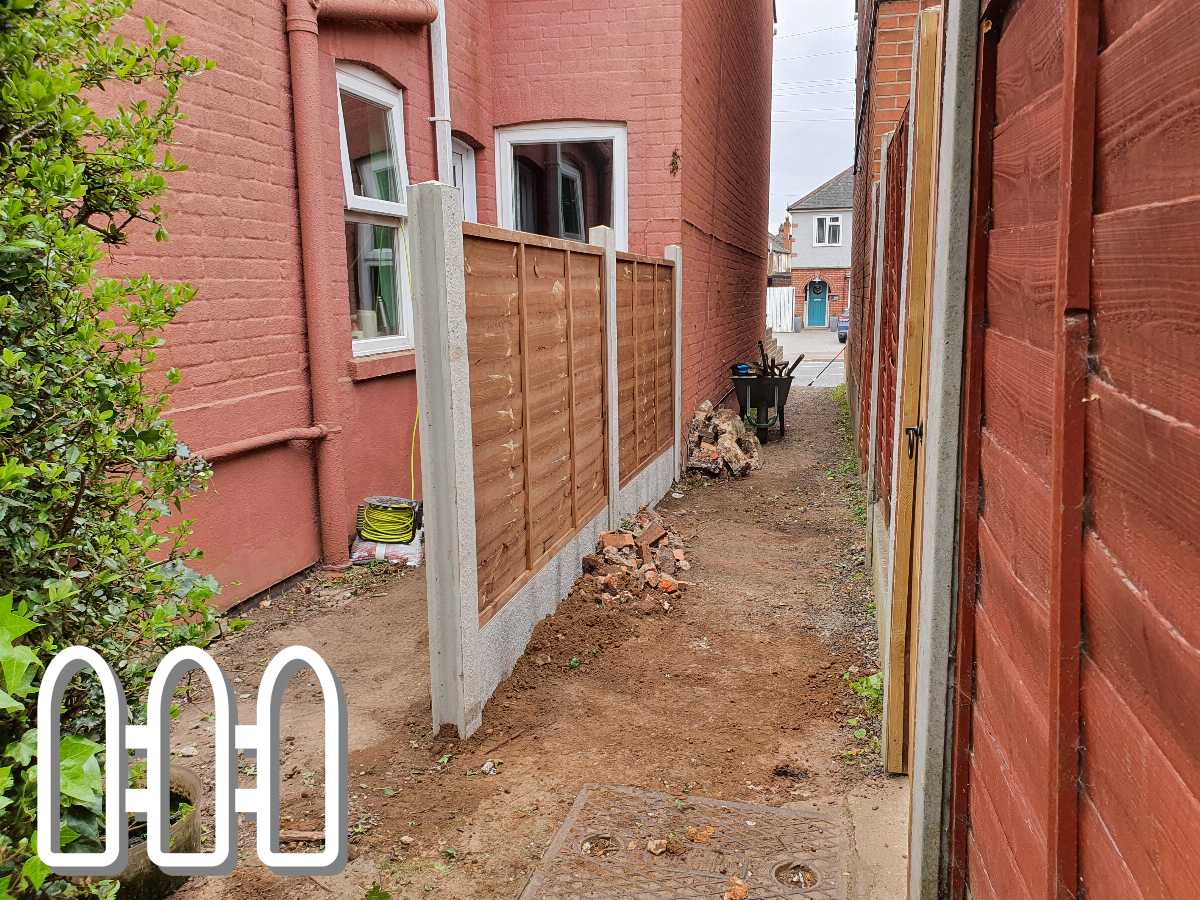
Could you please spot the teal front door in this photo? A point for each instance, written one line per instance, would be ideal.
(818, 304)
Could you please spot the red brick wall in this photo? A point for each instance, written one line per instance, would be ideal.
(469, 49)
(241, 344)
(726, 169)
(884, 63)
(565, 59)
(235, 232)
(839, 288)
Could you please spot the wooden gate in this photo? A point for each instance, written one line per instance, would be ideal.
(904, 601)
(1077, 717)
(781, 308)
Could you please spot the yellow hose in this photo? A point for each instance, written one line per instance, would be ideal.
(412, 457)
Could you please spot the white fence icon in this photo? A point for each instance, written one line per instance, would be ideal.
(260, 739)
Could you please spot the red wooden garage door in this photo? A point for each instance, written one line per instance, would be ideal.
(1077, 765)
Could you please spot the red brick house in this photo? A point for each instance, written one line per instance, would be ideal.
(297, 357)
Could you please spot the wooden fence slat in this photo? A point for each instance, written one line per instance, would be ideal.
(572, 400)
(525, 424)
(637, 393)
(1081, 33)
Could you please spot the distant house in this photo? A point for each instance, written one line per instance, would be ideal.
(779, 257)
(821, 224)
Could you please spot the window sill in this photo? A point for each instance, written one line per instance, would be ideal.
(364, 368)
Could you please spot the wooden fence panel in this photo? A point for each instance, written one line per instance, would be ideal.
(535, 338)
(626, 368)
(590, 416)
(896, 211)
(1086, 672)
(1008, 516)
(645, 359)
(548, 399)
(1141, 554)
(664, 347)
(497, 406)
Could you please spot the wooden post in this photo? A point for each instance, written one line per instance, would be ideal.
(1072, 303)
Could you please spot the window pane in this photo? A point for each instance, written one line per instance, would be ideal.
(572, 207)
(577, 163)
(835, 231)
(820, 229)
(373, 267)
(369, 143)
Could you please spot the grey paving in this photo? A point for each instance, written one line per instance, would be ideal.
(601, 849)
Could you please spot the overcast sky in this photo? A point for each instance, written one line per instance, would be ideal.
(813, 105)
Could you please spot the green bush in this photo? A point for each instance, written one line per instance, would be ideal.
(92, 478)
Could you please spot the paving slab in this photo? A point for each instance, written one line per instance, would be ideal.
(601, 850)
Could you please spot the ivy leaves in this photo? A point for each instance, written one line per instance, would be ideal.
(18, 663)
(93, 549)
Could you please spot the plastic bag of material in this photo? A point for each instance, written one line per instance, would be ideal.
(410, 554)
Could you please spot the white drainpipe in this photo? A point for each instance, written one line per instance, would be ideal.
(441, 93)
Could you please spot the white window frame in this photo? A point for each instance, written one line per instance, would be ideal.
(828, 218)
(462, 157)
(364, 83)
(564, 132)
(576, 177)
(388, 343)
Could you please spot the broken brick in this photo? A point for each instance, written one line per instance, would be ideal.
(616, 540)
(653, 534)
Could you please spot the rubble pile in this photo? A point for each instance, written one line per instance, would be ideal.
(640, 565)
(719, 443)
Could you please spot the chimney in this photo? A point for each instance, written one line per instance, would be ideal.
(785, 232)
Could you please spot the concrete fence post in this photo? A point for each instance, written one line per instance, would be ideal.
(447, 464)
(603, 236)
(674, 252)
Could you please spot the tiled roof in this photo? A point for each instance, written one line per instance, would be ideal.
(836, 193)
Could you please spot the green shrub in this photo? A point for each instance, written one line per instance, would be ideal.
(92, 478)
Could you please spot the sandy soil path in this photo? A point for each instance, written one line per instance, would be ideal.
(737, 693)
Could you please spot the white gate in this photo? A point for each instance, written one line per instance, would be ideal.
(781, 305)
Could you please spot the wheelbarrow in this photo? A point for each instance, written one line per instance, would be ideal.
(762, 400)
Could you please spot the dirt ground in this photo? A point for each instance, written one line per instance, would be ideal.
(736, 693)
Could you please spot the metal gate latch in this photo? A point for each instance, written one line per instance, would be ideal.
(913, 434)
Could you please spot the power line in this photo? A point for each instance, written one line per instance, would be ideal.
(844, 92)
(785, 123)
(795, 34)
(817, 81)
(815, 109)
(815, 55)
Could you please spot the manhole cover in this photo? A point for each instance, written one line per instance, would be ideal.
(620, 842)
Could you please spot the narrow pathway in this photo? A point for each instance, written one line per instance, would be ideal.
(738, 693)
